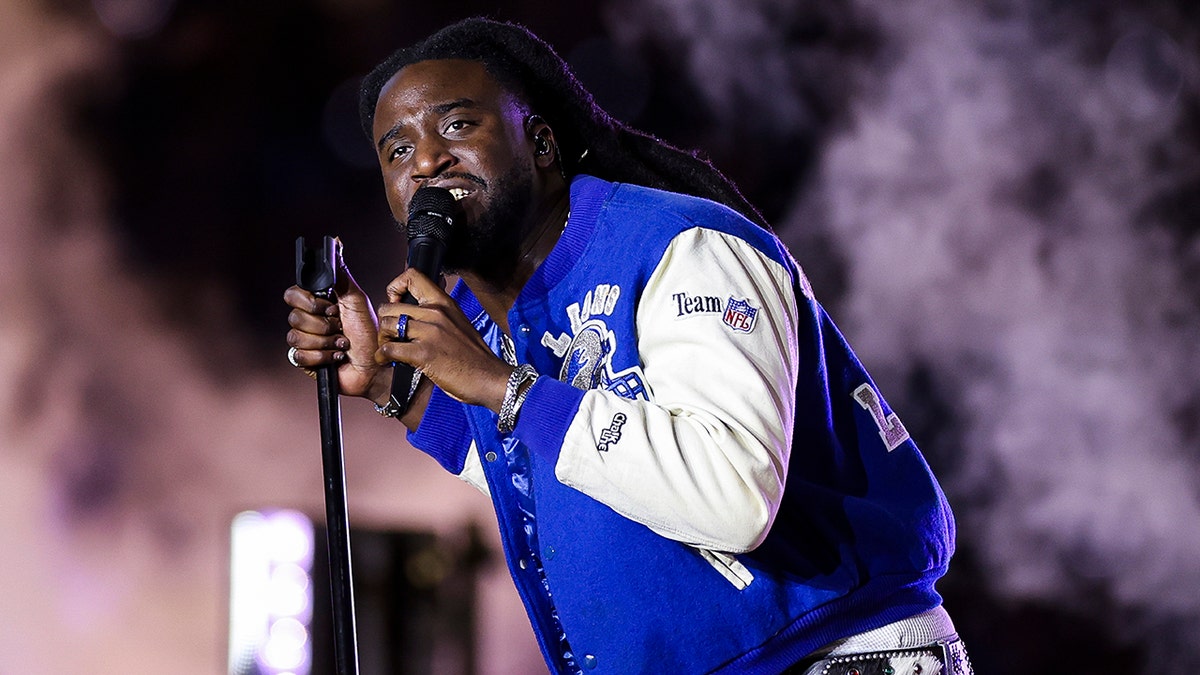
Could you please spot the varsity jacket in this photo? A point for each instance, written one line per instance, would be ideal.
(704, 478)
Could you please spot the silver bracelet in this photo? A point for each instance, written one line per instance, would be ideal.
(395, 408)
(514, 396)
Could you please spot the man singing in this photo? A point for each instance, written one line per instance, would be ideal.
(691, 471)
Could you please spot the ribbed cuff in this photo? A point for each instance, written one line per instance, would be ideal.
(547, 413)
(443, 433)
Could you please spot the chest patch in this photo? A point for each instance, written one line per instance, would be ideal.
(587, 353)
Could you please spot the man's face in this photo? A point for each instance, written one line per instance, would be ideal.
(448, 124)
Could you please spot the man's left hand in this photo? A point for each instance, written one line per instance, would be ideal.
(441, 342)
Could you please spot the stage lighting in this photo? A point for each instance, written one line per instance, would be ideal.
(271, 593)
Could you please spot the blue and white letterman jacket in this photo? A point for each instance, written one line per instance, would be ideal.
(704, 479)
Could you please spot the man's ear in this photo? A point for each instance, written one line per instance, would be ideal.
(545, 149)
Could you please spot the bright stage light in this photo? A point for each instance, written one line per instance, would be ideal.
(270, 598)
(288, 647)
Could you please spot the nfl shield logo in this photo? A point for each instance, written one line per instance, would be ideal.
(740, 316)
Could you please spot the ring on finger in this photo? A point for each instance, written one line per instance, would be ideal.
(291, 356)
(402, 328)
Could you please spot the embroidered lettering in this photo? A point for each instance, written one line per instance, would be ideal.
(610, 299)
(692, 304)
(612, 434)
(891, 430)
(598, 302)
(559, 345)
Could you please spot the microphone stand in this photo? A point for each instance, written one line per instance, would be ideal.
(316, 271)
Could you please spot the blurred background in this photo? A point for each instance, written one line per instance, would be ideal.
(998, 200)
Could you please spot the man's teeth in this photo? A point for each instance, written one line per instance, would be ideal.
(458, 193)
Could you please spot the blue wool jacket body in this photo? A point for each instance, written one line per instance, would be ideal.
(855, 536)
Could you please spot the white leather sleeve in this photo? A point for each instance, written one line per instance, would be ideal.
(705, 460)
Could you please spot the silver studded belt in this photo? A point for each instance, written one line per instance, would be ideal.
(947, 657)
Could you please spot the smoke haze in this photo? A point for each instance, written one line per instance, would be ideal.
(995, 195)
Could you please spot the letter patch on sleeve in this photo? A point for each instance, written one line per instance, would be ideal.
(891, 429)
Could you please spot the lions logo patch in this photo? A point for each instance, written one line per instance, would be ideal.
(740, 316)
(588, 352)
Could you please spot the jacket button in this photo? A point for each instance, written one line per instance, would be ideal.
(548, 553)
(589, 661)
(490, 456)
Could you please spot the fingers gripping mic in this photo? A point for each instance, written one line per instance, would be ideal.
(431, 216)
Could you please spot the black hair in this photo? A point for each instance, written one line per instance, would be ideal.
(590, 140)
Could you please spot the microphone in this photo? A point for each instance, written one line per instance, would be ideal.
(431, 216)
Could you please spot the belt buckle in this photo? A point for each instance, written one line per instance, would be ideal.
(879, 662)
(942, 652)
(955, 658)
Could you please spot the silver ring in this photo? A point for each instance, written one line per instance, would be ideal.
(402, 328)
(292, 357)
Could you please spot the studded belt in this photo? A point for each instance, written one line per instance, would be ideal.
(947, 657)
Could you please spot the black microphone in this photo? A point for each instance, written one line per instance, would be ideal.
(431, 216)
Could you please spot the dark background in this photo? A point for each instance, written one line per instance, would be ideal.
(234, 128)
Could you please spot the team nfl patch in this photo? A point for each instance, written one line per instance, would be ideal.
(740, 316)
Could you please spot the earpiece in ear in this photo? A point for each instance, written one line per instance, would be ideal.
(541, 146)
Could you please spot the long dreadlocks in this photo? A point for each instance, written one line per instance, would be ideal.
(591, 141)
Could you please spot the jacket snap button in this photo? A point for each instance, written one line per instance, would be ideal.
(490, 456)
(549, 552)
(589, 661)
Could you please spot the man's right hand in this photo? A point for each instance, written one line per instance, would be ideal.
(342, 333)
